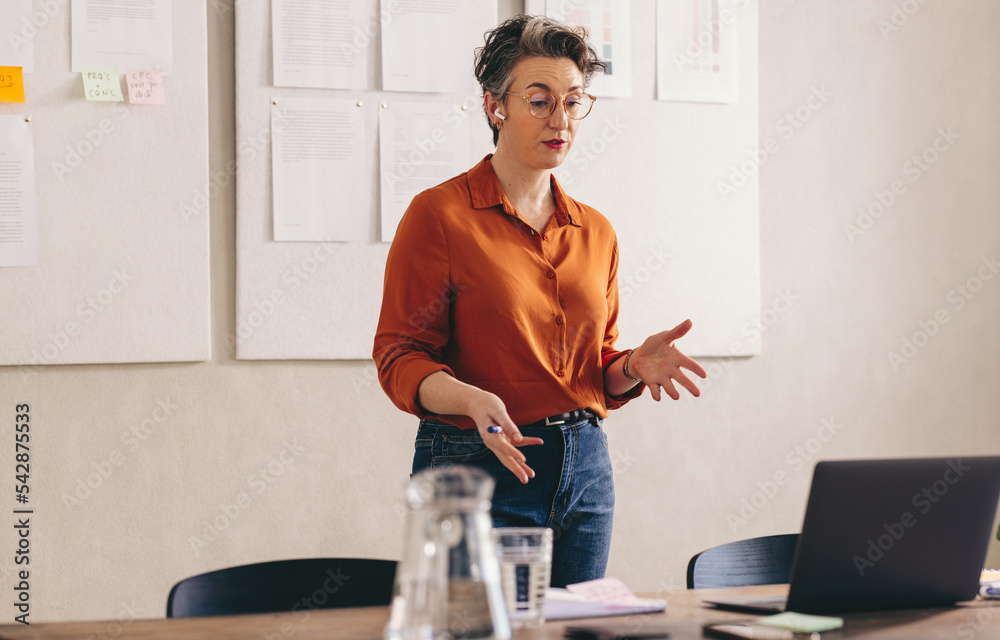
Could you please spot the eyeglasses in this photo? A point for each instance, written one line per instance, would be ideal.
(542, 104)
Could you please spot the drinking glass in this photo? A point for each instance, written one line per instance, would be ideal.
(525, 555)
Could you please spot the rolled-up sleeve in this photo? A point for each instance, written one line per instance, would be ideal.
(608, 352)
(413, 324)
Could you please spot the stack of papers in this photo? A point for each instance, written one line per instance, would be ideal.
(597, 598)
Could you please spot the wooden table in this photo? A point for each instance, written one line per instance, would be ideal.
(977, 620)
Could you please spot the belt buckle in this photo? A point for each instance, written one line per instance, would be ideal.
(549, 422)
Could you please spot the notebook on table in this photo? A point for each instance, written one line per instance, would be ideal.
(889, 534)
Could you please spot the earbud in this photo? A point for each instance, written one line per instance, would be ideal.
(497, 113)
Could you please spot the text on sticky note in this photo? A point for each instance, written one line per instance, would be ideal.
(102, 85)
(11, 84)
(145, 86)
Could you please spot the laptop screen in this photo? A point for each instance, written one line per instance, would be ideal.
(894, 534)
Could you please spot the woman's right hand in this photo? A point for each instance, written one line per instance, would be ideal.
(488, 410)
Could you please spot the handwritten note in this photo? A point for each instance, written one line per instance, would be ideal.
(102, 85)
(11, 84)
(145, 86)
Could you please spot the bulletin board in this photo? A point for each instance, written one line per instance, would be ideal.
(651, 167)
(122, 195)
(308, 300)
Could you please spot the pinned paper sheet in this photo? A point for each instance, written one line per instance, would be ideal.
(313, 44)
(17, 47)
(102, 85)
(608, 26)
(696, 50)
(18, 206)
(428, 46)
(319, 182)
(145, 86)
(122, 34)
(11, 84)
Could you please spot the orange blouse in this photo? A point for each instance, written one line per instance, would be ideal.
(471, 289)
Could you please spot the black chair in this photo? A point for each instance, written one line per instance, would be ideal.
(284, 585)
(766, 560)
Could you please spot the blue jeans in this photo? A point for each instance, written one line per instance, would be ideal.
(572, 491)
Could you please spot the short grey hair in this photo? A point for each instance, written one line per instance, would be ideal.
(525, 36)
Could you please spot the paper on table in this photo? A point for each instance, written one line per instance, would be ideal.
(11, 84)
(318, 43)
(17, 49)
(560, 604)
(428, 45)
(102, 85)
(607, 590)
(18, 212)
(608, 27)
(421, 144)
(696, 51)
(318, 170)
(145, 86)
(134, 34)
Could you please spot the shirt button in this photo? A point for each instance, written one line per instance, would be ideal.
(550, 274)
(560, 373)
(559, 320)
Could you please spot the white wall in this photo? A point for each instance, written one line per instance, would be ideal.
(681, 467)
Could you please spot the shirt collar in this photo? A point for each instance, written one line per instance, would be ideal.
(486, 193)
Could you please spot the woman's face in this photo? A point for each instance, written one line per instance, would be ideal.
(540, 143)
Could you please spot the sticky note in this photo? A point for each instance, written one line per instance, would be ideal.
(102, 85)
(802, 622)
(11, 84)
(145, 86)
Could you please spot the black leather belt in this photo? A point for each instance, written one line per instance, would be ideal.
(577, 415)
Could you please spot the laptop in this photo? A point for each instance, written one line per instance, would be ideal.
(889, 534)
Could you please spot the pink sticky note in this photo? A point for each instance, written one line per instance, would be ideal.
(606, 590)
(145, 86)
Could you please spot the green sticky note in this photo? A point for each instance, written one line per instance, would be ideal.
(801, 622)
(102, 85)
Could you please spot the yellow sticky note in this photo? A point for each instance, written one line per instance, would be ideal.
(11, 84)
(102, 85)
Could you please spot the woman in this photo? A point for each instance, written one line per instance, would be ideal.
(500, 308)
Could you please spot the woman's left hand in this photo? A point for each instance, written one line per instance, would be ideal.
(659, 364)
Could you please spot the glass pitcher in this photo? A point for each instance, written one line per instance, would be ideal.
(448, 581)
